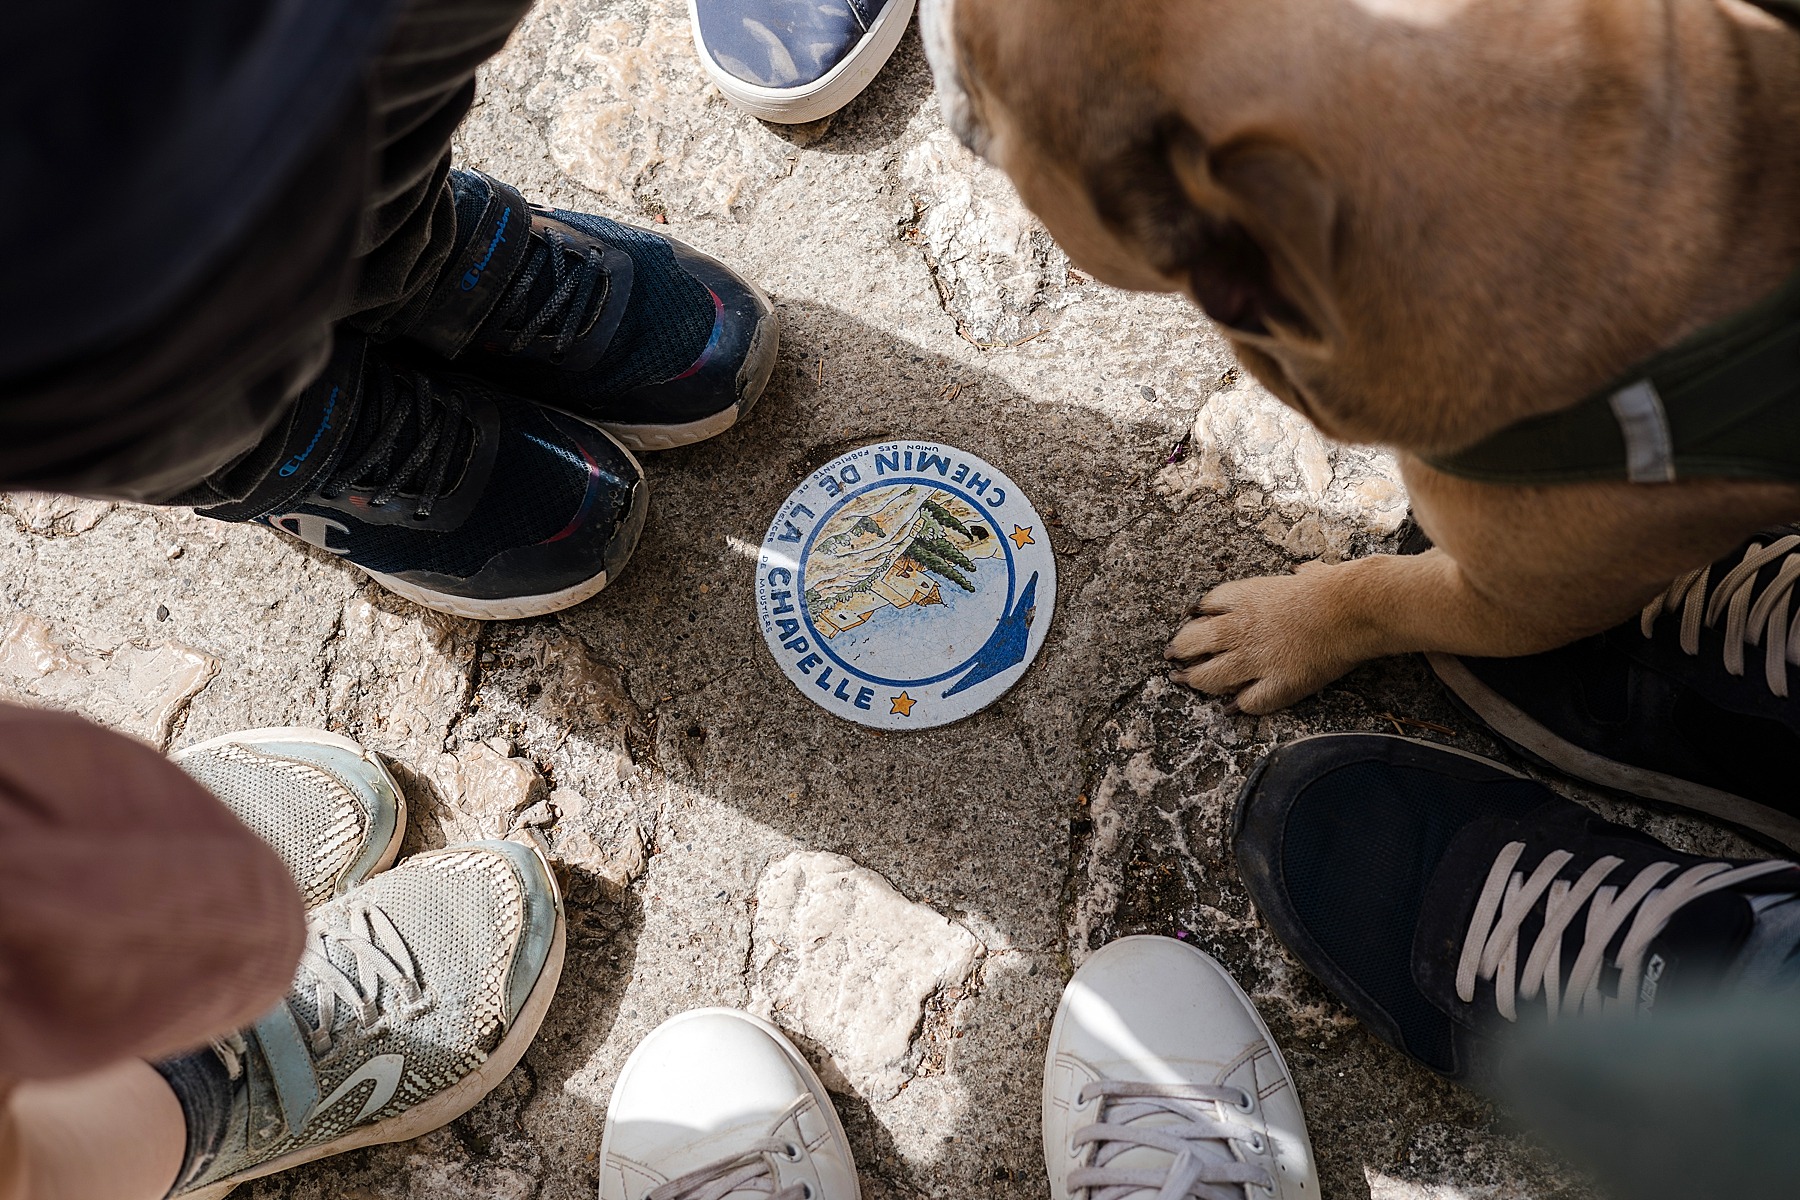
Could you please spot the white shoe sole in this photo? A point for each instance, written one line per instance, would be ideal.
(648, 439)
(321, 737)
(521, 608)
(813, 1084)
(447, 1105)
(1515, 727)
(822, 97)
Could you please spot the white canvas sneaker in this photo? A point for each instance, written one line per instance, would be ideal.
(717, 1105)
(1162, 1083)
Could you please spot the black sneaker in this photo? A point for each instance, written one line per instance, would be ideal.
(648, 338)
(447, 490)
(1444, 898)
(1688, 705)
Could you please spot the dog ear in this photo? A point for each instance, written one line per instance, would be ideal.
(1249, 225)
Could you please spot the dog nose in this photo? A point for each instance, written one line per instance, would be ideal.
(937, 25)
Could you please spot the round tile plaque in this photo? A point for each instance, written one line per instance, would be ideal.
(905, 585)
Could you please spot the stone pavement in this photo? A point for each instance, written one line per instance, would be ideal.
(908, 906)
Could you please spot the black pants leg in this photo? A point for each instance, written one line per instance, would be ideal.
(363, 226)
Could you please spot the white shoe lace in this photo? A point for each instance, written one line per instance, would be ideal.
(1203, 1163)
(380, 954)
(1749, 619)
(1491, 950)
(746, 1172)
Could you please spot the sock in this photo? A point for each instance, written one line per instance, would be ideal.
(1770, 957)
(203, 1087)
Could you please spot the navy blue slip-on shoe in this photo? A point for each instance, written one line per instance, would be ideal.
(650, 339)
(447, 490)
(1688, 705)
(1444, 899)
(791, 61)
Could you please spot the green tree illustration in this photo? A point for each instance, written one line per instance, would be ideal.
(923, 554)
(942, 547)
(947, 519)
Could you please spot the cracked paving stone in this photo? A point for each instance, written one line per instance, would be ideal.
(842, 958)
(55, 516)
(1316, 498)
(136, 688)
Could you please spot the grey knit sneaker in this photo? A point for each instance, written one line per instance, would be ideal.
(330, 808)
(416, 995)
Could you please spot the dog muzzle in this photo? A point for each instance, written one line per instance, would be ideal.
(937, 24)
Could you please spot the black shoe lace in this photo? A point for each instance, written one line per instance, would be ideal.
(574, 275)
(393, 400)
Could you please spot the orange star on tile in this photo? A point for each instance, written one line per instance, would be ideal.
(1021, 536)
(903, 705)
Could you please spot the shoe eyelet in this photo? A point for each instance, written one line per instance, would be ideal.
(1258, 1144)
(791, 1152)
(1248, 1103)
(806, 1189)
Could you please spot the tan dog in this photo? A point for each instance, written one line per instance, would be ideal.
(1418, 222)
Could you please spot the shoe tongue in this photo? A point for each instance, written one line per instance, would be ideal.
(369, 425)
(546, 258)
(1692, 956)
(341, 953)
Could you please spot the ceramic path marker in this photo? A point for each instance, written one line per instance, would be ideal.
(906, 585)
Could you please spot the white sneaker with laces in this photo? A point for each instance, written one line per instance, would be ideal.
(1162, 1083)
(717, 1105)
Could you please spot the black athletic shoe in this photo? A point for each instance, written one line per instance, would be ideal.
(447, 490)
(1690, 705)
(638, 333)
(1443, 897)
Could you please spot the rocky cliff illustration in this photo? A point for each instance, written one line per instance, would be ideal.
(894, 547)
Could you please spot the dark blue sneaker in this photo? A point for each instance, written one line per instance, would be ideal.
(447, 490)
(1692, 704)
(791, 61)
(1445, 899)
(652, 340)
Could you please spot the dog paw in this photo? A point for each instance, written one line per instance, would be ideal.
(1268, 641)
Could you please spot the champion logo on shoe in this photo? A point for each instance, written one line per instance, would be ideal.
(472, 277)
(293, 464)
(312, 529)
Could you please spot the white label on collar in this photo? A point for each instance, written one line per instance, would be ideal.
(906, 585)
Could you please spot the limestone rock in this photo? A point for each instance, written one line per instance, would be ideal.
(995, 266)
(577, 689)
(603, 841)
(630, 115)
(1323, 494)
(842, 958)
(486, 792)
(55, 516)
(408, 679)
(139, 689)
